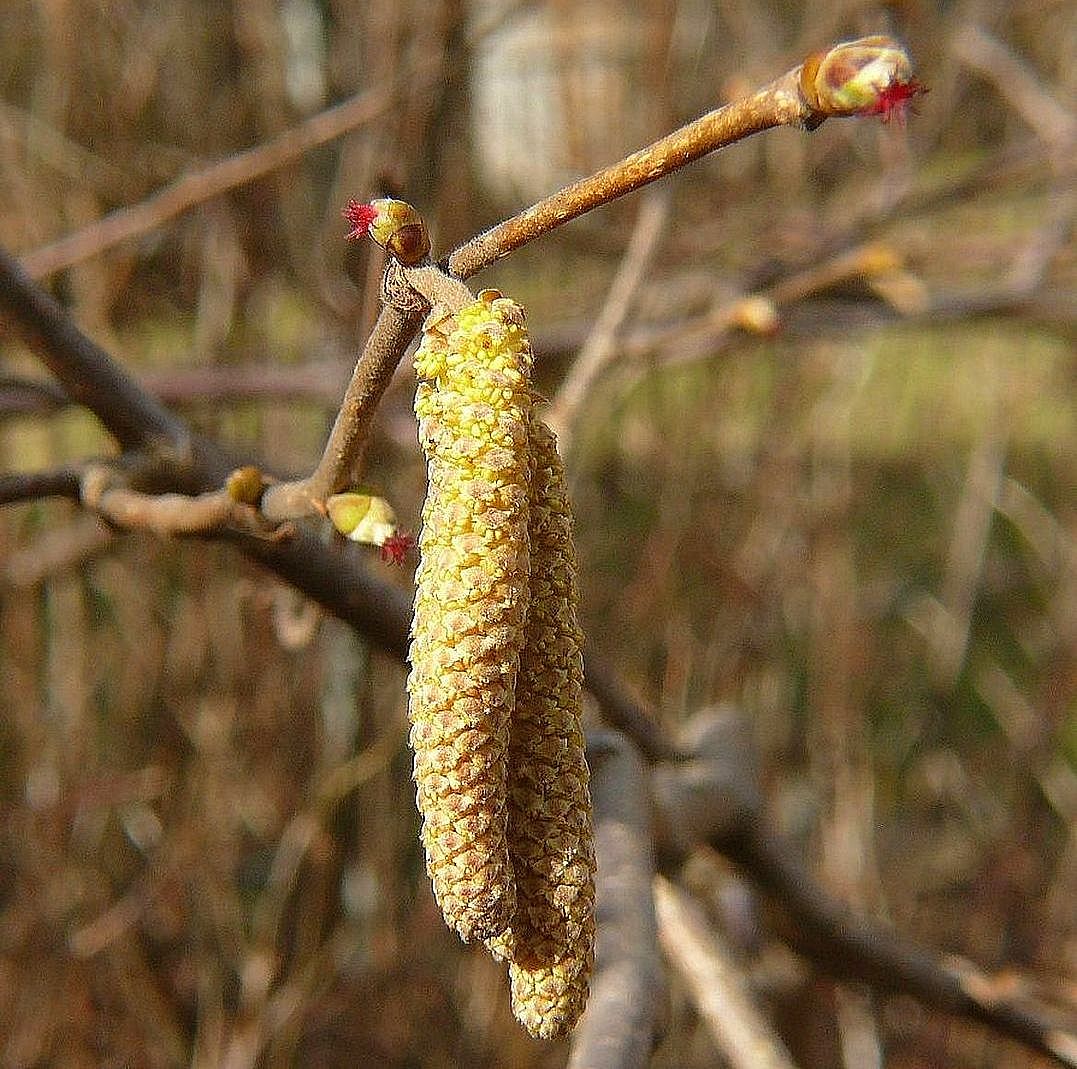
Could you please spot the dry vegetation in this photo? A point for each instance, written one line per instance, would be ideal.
(859, 531)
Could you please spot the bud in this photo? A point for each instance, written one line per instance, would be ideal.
(394, 224)
(245, 485)
(869, 76)
(362, 517)
(756, 314)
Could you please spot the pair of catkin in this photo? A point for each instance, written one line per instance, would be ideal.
(496, 668)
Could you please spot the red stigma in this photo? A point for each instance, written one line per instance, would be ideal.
(396, 547)
(360, 216)
(894, 100)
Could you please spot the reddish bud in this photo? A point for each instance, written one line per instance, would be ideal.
(870, 76)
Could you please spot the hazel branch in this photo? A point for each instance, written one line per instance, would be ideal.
(373, 372)
(32, 486)
(233, 507)
(713, 798)
(84, 369)
(623, 1018)
(412, 285)
(715, 981)
(196, 187)
(869, 76)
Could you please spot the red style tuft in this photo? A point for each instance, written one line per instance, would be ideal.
(894, 100)
(360, 216)
(396, 547)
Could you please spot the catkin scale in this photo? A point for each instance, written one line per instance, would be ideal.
(550, 944)
(472, 588)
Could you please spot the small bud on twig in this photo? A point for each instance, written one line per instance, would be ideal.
(869, 76)
(370, 520)
(394, 224)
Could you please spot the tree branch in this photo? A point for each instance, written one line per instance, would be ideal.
(373, 372)
(34, 485)
(857, 75)
(621, 1024)
(84, 369)
(199, 186)
(712, 798)
(716, 983)
(777, 104)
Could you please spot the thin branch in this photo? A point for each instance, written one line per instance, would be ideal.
(713, 797)
(777, 104)
(1052, 121)
(410, 292)
(624, 711)
(621, 1025)
(374, 370)
(32, 486)
(54, 551)
(170, 515)
(199, 186)
(715, 980)
(853, 948)
(84, 369)
(783, 102)
(21, 396)
(598, 350)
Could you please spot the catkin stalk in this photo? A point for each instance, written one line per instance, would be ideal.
(550, 945)
(474, 407)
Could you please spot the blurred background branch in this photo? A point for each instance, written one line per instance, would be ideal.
(830, 442)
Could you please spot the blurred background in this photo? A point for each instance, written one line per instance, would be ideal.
(823, 453)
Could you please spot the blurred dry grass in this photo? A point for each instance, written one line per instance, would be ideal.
(861, 530)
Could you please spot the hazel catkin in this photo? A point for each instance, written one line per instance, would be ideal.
(473, 404)
(550, 944)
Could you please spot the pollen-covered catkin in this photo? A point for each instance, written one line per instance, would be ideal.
(473, 404)
(550, 945)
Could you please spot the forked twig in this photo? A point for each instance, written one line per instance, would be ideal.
(868, 76)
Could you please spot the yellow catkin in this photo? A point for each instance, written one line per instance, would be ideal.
(550, 945)
(473, 404)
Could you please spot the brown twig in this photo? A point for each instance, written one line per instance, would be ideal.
(713, 797)
(783, 102)
(170, 515)
(715, 981)
(625, 712)
(374, 370)
(623, 1018)
(777, 104)
(21, 396)
(84, 369)
(202, 185)
(410, 292)
(33, 486)
(55, 551)
(853, 948)
(598, 350)
(1052, 121)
